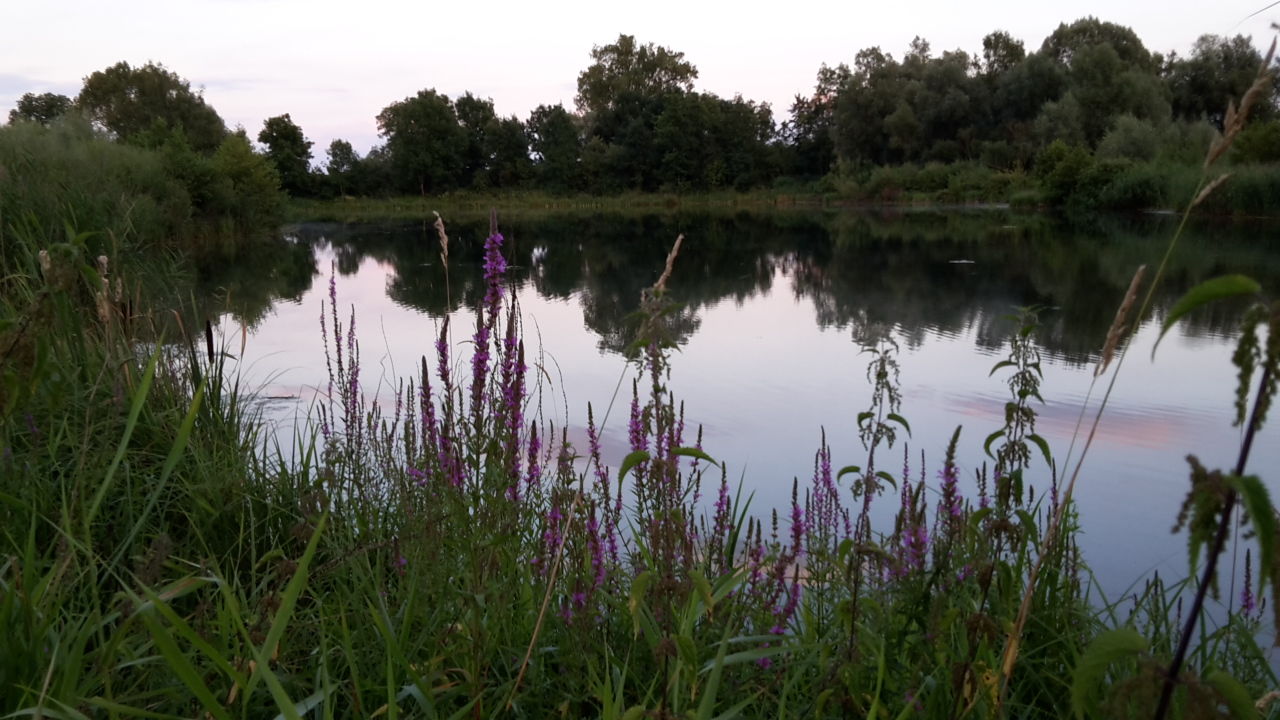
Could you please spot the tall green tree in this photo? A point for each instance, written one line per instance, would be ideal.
(625, 67)
(149, 102)
(1000, 53)
(477, 118)
(343, 163)
(43, 108)
(507, 148)
(289, 151)
(1068, 40)
(425, 143)
(556, 143)
(809, 133)
(1218, 70)
(254, 200)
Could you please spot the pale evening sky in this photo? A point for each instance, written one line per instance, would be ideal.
(333, 65)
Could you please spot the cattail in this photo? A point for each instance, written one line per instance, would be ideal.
(1116, 332)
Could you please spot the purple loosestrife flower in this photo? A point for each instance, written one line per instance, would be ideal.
(597, 551)
(799, 530)
(479, 365)
(494, 267)
(533, 478)
(442, 360)
(917, 547)
(593, 450)
(951, 505)
(417, 474)
(637, 432)
(427, 409)
(1247, 602)
(722, 516)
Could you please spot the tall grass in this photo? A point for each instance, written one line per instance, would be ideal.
(445, 550)
(448, 551)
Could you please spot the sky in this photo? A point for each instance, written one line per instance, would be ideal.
(334, 65)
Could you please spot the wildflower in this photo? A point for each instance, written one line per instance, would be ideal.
(950, 491)
(417, 474)
(1247, 602)
(533, 478)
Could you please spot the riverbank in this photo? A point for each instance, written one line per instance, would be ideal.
(442, 553)
(1075, 184)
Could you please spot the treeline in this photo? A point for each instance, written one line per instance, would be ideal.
(994, 125)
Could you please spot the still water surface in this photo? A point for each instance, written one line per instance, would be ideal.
(775, 307)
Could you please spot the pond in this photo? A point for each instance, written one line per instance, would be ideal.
(775, 309)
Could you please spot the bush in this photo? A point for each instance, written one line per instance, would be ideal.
(1259, 142)
(145, 196)
(1130, 139)
(1138, 187)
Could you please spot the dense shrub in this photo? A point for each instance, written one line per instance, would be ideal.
(168, 194)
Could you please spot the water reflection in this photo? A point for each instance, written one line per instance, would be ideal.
(771, 303)
(923, 272)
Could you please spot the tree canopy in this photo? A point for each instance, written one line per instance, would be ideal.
(289, 151)
(145, 103)
(43, 108)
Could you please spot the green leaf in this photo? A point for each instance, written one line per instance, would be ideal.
(1029, 523)
(687, 650)
(1219, 288)
(745, 656)
(182, 667)
(635, 712)
(986, 446)
(1044, 447)
(979, 515)
(1107, 648)
(289, 599)
(631, 461)
(639, 587)
(900, 420)
(864, 416)
(175, 454)
(311, 702)
(1000, 365)
(1233, 694)
(692, 452)
(704, 589)
(846, 470)
(1257, 502)
(135, 409)
(887, 478)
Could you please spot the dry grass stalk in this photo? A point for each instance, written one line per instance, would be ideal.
(1117, 326)
(1208, 189)
(1235, 119)
(444, 238)
(661, 286)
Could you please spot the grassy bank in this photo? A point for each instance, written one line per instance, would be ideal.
(452, 554)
